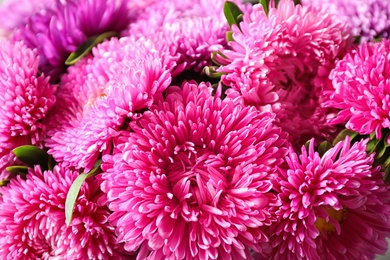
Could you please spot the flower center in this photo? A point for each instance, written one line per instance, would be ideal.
(194, 178)
(328, 225)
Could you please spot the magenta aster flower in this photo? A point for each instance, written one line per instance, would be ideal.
(192, 179)
(368, 18)
(26, 98)
(361, 82)
(99, 96)
(281, 62)
(333, 207)
(193, 28)
(56, 32)
(32, 217)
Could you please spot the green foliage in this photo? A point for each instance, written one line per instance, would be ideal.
(86, 47)
(32, 155)
(232, 13)
(74, 191)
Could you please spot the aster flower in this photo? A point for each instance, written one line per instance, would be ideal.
(26, 99)
(280, 62)
(192, 177)
(58, 31)
(368, 18)
(193, 28)
(361, 83)
(15, 13)
(101, 94)
(32, 217)
(334, 206)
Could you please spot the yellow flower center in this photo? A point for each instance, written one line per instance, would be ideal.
(323, 225)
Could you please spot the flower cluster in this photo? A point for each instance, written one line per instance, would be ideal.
(280, 62)
(368, 19)
(194, 129)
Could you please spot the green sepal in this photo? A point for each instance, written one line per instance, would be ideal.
(229, 36)
(32, 155)
(232, 13)
(214, 54)
(74, 190)
(211, 72)
(87, 46)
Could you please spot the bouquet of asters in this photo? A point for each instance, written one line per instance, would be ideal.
(194, 129)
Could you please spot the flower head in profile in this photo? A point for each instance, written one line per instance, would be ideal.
(26, 98)
(32, 217)
(334, 206)
(368, 19)
(361, 83)
(192, 178)
(99, 96)
(59, 30)
(280, 62)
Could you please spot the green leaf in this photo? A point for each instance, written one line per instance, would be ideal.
(32, 155)
(74, 190)
(372, 145)
(383, 160)
(324, 146)
(341, 136)
(380, 150)
(387, 175)
(232, 13)
(265, 3)
(87, 46)
(51, 163)
(17, 169)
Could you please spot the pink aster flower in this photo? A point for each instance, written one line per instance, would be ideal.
(15, 13)
(192, 178)
(194, 28)
(58, 31)
(26, 98)
(32, 217)
(100, 95)
(361, 88)
(368, 18)
(334, 206)
(280, 62)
